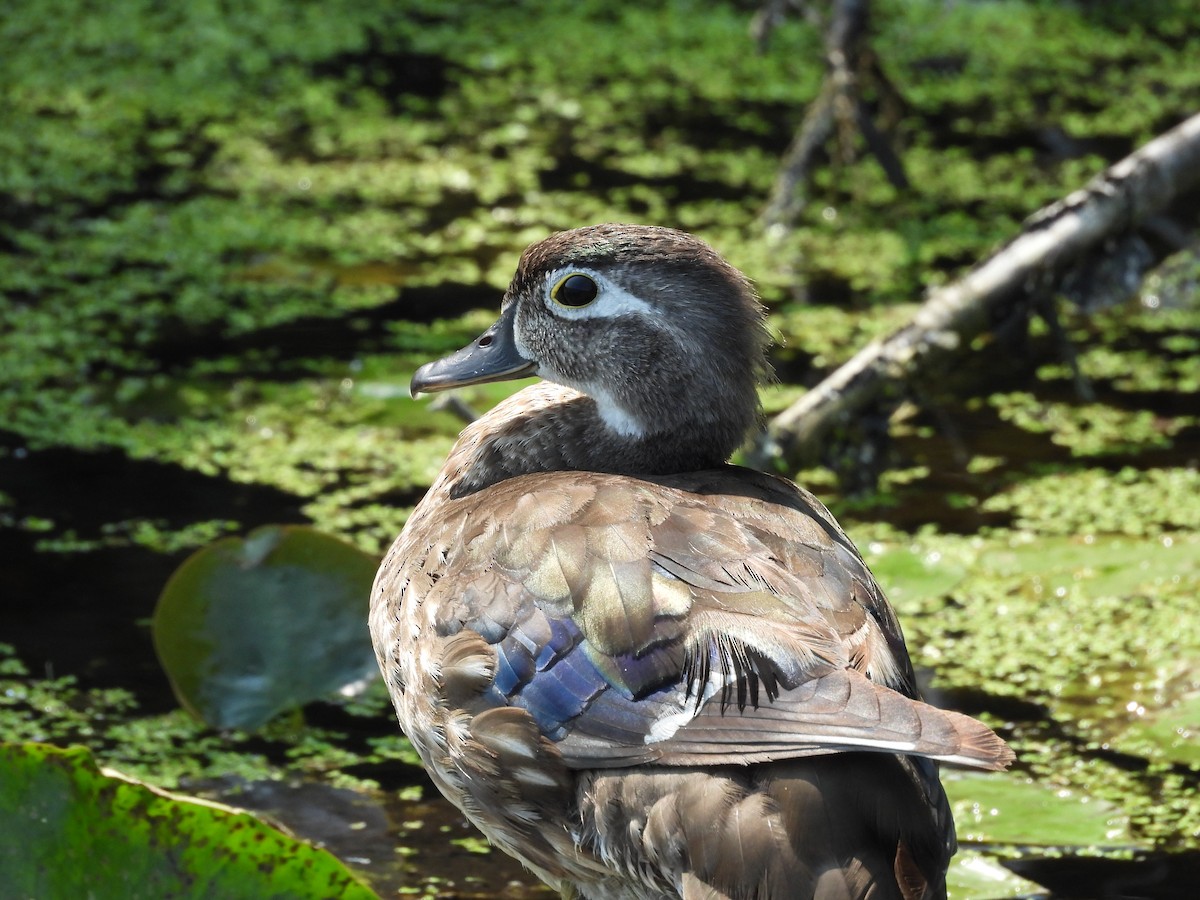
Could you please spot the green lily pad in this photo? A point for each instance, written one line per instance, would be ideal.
(1171, 734)
(1010, 809)
(1101, 566)
(973, 876)
(246, 629)
(914, 572)
(68, 829)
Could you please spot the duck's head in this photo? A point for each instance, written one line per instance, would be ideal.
(651, 323)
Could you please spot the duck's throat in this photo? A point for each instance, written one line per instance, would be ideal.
(618, 420)
(548, 428)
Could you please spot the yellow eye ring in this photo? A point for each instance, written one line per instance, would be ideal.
(574, 291)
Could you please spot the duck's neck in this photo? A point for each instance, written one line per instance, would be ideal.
(547, 428)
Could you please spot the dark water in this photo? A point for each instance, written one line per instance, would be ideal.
(84, 613)
(1153, 876)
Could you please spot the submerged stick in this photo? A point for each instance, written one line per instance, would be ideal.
(839, 105)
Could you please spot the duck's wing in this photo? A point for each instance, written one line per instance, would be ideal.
(715, 618)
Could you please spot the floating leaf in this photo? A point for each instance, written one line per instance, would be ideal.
(1101, 566)
(973, 876)
(914, 572)
(67, 829)
(1171, 734)
(249, 628)
(1009, 809)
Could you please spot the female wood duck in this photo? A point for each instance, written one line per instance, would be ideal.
(641, 671)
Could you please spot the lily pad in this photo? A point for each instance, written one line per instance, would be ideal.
(247, 629)
(1106, 565)
(69, 829)
(911, 572)
(1171, 734)
(973, 876)
(1009, 809)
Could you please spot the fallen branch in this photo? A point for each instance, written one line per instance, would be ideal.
(952, 316)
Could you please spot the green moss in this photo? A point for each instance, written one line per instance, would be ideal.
(173, 748)
(831, 335)
(152, 534)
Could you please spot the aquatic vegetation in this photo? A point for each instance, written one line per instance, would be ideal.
(230, 236)
(70, 827)
(169, 749)
(1096, 501)
(1092, 634)
(1091, 429)
(304, 593)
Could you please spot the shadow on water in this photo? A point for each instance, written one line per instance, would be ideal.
(1146, 876)
(289, 344)
(82, 612)
(399, 845)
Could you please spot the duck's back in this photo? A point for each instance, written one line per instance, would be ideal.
(659, 669)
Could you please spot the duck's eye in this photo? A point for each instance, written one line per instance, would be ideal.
(575, 291)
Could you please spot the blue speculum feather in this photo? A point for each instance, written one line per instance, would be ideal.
(561, 694)
(510, 677)
(564, 637)
(564, 678)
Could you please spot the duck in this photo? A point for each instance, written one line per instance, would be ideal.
(642, 671)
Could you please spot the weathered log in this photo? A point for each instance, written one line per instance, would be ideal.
(952, 316)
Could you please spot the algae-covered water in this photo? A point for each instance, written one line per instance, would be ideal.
(228, 236)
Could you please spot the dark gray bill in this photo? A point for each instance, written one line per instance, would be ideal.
(492, 356)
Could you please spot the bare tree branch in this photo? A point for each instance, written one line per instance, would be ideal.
(839, 102)
(1116, 201)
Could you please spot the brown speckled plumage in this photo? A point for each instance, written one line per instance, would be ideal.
(645, 673)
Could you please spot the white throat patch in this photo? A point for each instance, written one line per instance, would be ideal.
(614, 417)
(612, 414)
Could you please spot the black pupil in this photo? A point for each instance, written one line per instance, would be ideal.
(578, 290)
